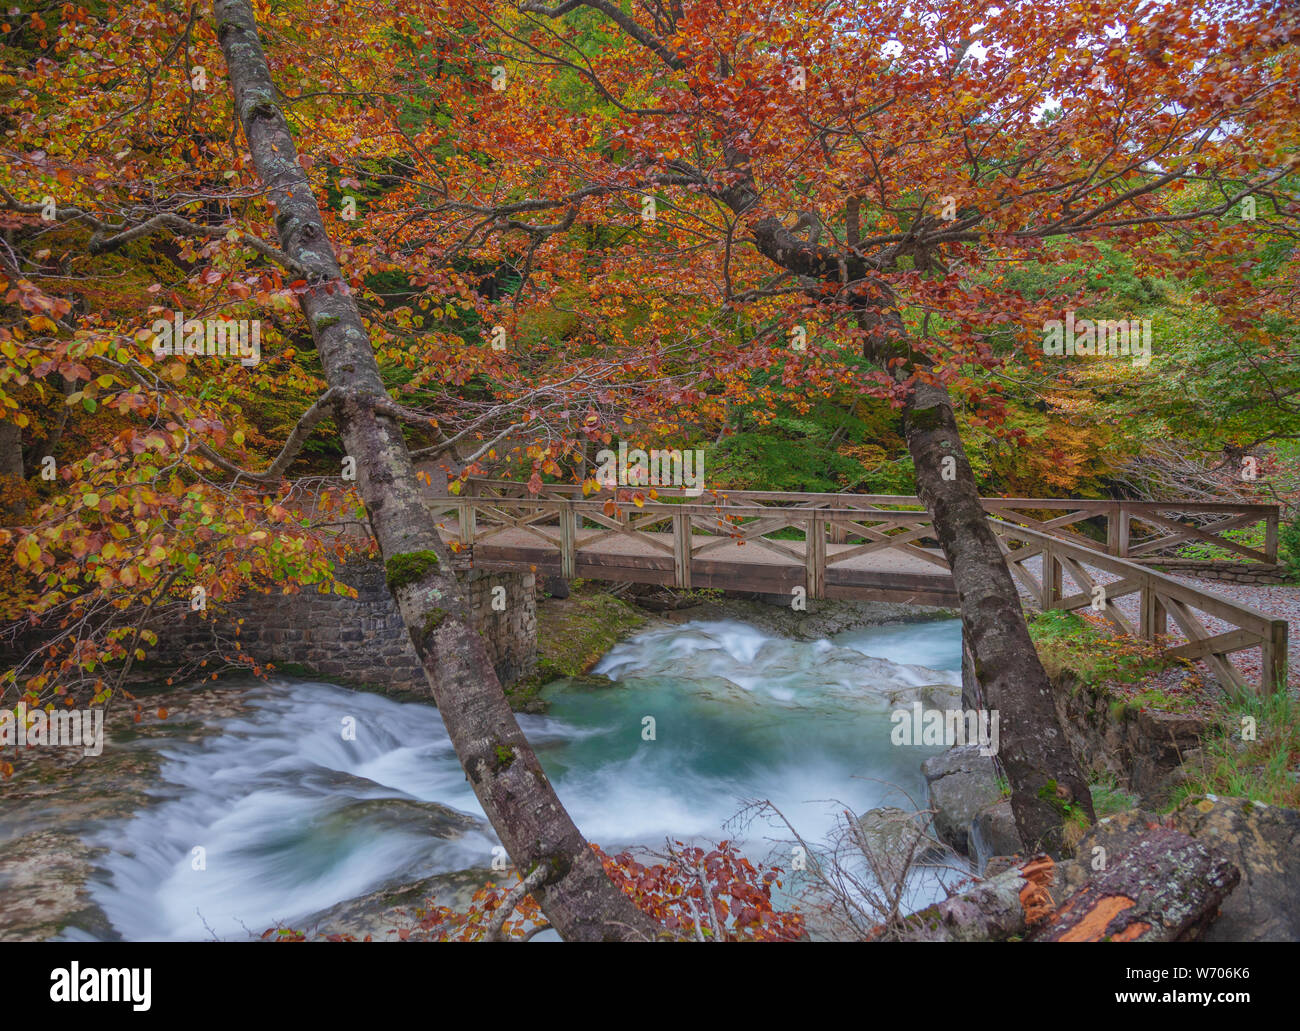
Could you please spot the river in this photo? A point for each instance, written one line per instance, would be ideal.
(318, 794)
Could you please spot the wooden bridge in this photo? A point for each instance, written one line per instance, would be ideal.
(1065, 554)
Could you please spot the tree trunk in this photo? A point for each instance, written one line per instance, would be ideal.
(578, 899)
(1167, 888)
(1002, 907)
(11, 467)
(1048, 791)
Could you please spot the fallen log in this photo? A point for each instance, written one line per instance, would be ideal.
(1002, 907)
(1167, 887)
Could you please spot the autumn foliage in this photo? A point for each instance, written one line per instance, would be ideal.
(695, 894)
(565, 228)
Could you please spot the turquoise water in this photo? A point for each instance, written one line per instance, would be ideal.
(292, 818)
(739, 716)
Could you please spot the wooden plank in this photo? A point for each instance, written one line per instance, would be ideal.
(682, 553)
(897, 593)
(815, 556)
(1219, 644)
(1114, 589)
(1051, 578)
(1108, 609)
(1154, 621)
(467, 515)
(1183, 531)
(1273, 658)
(758, 542)
(881, 542)
(1025, 576)
(1195, 631)
(567, 529)
(1215, 529)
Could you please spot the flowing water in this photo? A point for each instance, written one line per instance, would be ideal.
(289, 817)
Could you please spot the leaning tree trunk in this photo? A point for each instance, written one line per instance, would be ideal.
(1048, 791)
(577, 897)
(1047, 787)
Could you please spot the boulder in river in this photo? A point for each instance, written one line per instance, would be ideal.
(993, 833)
(894, 840)
(962, 783)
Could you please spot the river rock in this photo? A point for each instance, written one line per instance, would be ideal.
(556, 586)
(896, 840)
(993, 833)
(941, 696)
(384, 914)
(1264, 843)
(962, 782)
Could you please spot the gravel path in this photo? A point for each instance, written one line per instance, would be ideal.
(1273, 601)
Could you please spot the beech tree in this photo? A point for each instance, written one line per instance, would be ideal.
(578, 898)
(654, 203)
(872, 167)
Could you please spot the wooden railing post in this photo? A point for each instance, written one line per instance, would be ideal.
(838, 533)
(1273, 658)
(815, 555)
(1270, 535)
(1123, 520)
(1112, 528)
(568, 559)
(682, 549)
(1154, 617)
(1051, 582)
(467, 516)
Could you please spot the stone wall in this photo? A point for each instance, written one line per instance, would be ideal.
(361, 641)
(1142, 749)
(1235, 572)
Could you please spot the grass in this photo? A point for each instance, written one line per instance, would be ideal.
(1162, 701)
(1108, 798)
(1249, 536)
(572, 634)
(1067, 642)
(1253, 751)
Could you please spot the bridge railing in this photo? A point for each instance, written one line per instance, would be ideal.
(1140, 530)
(1045, 565)
(689, 543)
